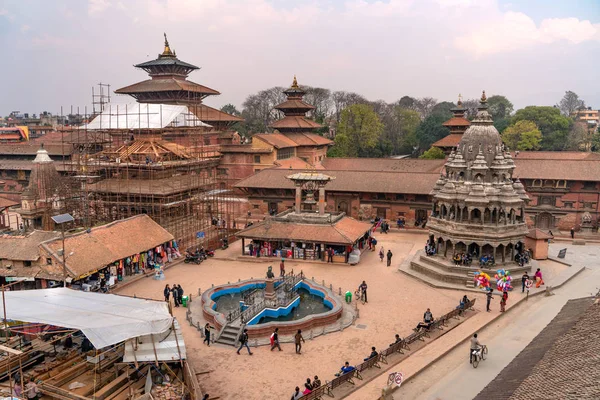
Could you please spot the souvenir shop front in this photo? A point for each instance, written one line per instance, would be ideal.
(107, 254)
(304, 241)
(140, 263)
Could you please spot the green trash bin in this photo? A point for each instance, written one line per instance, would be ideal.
(348, 297)
(184, 301)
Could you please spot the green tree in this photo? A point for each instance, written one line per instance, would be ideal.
(523, 135)
(231, 109)
(501, 124)
(444, 108)
(358, 132)
(408, 121)
(430, 131)
(434, 153)
(553, 125)
(500, 107)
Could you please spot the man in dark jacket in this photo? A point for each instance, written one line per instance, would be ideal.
(175, 292)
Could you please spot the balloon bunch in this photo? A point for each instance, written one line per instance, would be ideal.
(482, 280)
(503, 280)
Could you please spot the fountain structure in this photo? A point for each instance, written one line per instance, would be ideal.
(290, 302)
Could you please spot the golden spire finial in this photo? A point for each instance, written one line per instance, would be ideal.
(167, 51)
(295, 83)
(459, 100)
(483, 97)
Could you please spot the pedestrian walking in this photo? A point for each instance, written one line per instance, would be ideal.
(381, 254)
(207, 329)
(524, 280)
(175, 292)
(167, 292)
(573, 233)
(538, 278)
(298, 339)
(275, 339)
(282, 267)
(363, 291)
(488, 299)
(503, 301)
(244, 342)
(330, 255)
(389, 258)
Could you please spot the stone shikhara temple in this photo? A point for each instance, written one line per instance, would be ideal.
(477, 206)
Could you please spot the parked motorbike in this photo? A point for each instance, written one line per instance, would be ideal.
(192, 259)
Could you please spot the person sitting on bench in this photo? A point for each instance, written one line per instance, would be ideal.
(427, 321)
(345, 369)
(398, 339)
(463, 303)
(373, 354)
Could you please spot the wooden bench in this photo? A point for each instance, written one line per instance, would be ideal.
(371, 362)
(339, 381)
(393, 348)
(319, 392)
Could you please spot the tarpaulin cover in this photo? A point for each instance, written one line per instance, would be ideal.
(144, 116)
(105, 319)
(162, 347)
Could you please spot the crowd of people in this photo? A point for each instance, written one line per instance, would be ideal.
(176, 291)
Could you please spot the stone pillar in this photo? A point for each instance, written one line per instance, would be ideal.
(482, 216)
(270, 289)
(512, 252)
(321, 200)
(494, 253)
(298, 199)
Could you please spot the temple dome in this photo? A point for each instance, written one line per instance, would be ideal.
(481, 136)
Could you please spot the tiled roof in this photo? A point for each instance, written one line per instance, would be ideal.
(4, 202)
(208, 114)
(457, 121)
(243, 148)
(345, 232)
(294, 105)
(106, 244)
(569, 369)
(27, 165)
(31, 149)
(452, 140)
(538, 234)
(24, 248)
(277, 140)
(384, 164)
(567, 169)
(555, 155)
(513, 376)
(350, 181)
(295, 163)
(163, 85)
(293, 122)
(309, 139)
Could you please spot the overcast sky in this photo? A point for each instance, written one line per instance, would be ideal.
(54, 51)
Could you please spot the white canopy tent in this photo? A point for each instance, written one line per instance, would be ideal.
(144, 116)
(105, 319)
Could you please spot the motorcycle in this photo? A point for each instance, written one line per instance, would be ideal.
(224, 244)
(192, 259)
(210, 253)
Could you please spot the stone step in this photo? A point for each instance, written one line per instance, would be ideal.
(450, 267)
(438, 273)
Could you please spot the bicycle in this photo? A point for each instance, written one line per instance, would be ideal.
(479, 354)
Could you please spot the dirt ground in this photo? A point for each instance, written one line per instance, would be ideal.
(396, 303)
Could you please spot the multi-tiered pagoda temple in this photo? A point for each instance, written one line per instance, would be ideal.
(295, 109)
(168, 84)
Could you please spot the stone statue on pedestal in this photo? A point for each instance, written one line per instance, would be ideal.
(270, 274)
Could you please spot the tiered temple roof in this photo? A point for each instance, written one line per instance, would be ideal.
(168, 84)
(458, 124)
(295, 120)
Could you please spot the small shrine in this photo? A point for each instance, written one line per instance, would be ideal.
(307, 231)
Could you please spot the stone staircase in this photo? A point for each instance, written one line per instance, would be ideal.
(229, 336)
(445, 271)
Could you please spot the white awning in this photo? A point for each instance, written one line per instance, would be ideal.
(165, 346)
(144, 116)
(105, 319)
